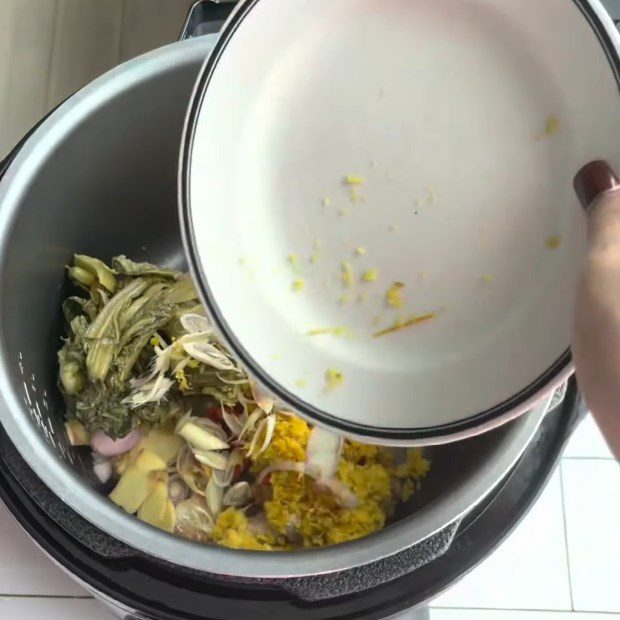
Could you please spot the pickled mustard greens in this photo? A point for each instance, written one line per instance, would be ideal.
(116, 330)
(188, 443)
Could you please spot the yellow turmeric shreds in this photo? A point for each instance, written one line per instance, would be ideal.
(400, 325)
(333, 331)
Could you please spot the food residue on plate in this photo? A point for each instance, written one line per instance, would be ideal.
(404, 324)
(354, 182)
(298, 286)
(333, 378)
(347, 276)
(394, 295)
(370, 275)
(316, 251)
(431, 195)
(301, 383)
(553, 242)
(293, 259)
(326, 201)
(552, 126)
(352, 179)
(332, 331)
(360, 250)
(487, 278)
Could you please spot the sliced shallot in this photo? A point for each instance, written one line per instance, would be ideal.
(106, 446)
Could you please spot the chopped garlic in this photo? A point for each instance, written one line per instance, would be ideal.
(333, 378)
(394, 295)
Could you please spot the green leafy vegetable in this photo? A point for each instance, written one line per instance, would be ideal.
(138, 346)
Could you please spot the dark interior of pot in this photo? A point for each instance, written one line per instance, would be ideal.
(111, 188)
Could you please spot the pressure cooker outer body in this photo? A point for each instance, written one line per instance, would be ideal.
(146, 586)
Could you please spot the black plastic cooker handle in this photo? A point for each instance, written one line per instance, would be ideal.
(206, 17)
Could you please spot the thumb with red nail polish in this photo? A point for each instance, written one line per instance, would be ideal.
(596, 333)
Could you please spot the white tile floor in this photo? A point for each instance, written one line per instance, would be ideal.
(561, 563)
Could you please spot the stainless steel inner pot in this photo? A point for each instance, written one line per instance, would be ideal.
(99, 176)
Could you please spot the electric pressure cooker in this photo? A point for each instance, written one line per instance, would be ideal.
(106, 173)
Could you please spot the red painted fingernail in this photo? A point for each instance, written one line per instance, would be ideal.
(592, 180)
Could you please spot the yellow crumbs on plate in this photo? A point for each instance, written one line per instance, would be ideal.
(394, 295)
(487, 278)
(370, 276)
(347, 276)
(345, 299)
(298, 286)
(316, 251)
(431, 195)
(554, 242)
(360, 250)
(552, 126)
(352, 179)
(326, 202)
(400, 324)
(333, 378)
(332, 331)
(293, 259)
(301, 383)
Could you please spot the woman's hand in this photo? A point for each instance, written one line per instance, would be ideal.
(596, 335)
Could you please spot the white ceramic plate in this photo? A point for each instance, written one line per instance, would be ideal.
(466, 122)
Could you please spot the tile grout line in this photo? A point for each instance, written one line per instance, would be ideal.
(121, 31)
(564, 523)
(589, 458)
(603, 614)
